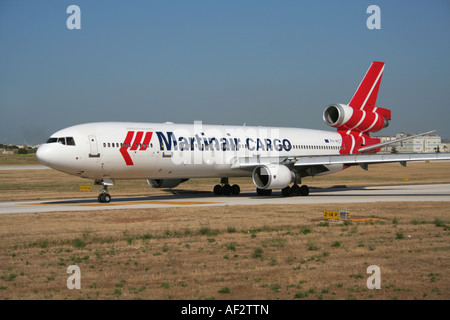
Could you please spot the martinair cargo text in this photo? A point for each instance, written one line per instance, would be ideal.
(168, 154)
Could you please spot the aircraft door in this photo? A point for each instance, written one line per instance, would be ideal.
(93, 147)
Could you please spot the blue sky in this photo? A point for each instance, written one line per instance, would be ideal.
(259, 62)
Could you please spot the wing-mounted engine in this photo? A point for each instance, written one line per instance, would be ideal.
(272, 176)
(344, 117)
(165, 183)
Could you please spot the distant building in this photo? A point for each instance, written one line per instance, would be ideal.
(429, 143)
(446, 143)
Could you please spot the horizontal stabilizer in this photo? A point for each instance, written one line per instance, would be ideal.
(379, 145)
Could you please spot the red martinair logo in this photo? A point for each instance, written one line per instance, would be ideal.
(133, 146)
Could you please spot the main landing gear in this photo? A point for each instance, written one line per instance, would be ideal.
(224, 188)
(295, 191)
(288, 191)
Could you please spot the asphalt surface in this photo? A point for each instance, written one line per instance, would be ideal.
(406, 192)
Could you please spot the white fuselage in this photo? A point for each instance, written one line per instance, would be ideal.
(126, 150)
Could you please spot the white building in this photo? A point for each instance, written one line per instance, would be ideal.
(429, 143)
(446, 143)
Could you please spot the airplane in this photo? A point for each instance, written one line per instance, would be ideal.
(168, 154)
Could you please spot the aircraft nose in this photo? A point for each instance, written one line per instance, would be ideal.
(43, 154)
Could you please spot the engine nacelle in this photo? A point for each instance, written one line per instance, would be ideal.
(272, 176)
(370, 119)
(165, 183)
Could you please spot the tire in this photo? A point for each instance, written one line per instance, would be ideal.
(226, 190)
(218, 190)
(286, 192)
(106, 198)
(295, 190)
(263, 192)
(235, 190)
(304, 190)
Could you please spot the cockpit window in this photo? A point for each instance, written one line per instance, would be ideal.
(69, 141)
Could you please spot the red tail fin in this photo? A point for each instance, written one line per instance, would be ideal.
(366, 94)
(365, 117)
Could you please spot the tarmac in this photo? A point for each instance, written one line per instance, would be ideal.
(401, 193)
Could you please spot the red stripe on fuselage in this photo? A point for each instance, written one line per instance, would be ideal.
(123, 149)
(137, 140)
(148, 137)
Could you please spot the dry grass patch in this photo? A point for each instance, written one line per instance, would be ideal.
(240, 252)
(243, 252)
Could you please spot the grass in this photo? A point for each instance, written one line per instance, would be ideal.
(240, 252)
(171, 254)
(18, 159)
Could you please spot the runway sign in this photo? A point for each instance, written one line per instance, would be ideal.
(336, 215)
(327, 214)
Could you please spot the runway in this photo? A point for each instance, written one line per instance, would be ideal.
(22, 167)
(408, 193)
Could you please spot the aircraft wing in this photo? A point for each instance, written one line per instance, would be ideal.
(347, 159)
(365, 159)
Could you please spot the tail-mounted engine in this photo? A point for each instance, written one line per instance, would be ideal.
(356, 120)
(344, 117)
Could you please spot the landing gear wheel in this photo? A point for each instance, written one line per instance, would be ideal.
(263, 192)
(295, 190)
(218, 189)
(304, 190)
(286, 192)
(226, 190)
(235, 190)
(104, 198)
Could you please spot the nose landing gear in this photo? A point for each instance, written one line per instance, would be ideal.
(104, 196)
